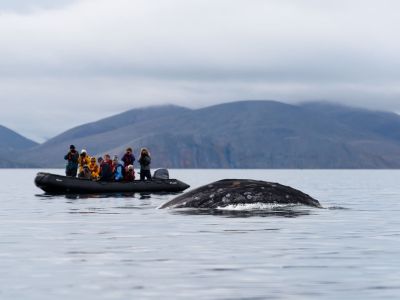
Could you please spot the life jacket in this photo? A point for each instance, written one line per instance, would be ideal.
(94, 169)
(83, 161)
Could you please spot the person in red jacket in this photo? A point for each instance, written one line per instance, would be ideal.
(130, 174)
(106, 173)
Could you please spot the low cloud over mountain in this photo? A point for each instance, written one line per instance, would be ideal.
(88, 59)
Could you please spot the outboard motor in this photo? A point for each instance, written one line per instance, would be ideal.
(161, 174)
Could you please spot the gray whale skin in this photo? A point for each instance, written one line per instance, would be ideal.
(240, 191)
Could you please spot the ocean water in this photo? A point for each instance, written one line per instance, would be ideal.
(116, 247)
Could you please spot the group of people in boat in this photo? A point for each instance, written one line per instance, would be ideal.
(105, 168)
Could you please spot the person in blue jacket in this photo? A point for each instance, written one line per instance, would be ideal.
(118, 170)
(72, 162)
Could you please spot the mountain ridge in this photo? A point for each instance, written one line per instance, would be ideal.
(12, 142)
(242, 134)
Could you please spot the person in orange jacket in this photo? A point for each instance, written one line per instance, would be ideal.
(94, 168)
(83, 159)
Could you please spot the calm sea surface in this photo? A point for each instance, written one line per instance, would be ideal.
(125, 248)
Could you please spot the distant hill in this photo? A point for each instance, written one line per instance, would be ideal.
(10, 143)
(245, 134)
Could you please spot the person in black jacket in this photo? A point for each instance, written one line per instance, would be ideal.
(72, 162)
(145, 161)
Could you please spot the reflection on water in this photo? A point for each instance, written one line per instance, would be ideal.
(141, 195)
(289, 212)
(122, 247)
(99, 196)
(263, 210)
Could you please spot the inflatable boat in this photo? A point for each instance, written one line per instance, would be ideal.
(58, 184)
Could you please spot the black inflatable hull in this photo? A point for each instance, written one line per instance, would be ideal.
(57, 184)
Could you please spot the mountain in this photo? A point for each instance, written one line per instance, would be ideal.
(10, 143)
(245, 134)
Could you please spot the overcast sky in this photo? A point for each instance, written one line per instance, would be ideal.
(64, 63)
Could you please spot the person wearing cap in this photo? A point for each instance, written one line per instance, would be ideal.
(118, 169)
(72, 162)
(129, 174)
(94, 168)
(84, 159)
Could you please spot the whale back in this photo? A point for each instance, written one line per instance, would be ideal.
(240, 191)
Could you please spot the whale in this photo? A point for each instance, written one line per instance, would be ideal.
(228, 192)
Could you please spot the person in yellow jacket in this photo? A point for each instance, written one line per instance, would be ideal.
(83, 159)
(94, 168)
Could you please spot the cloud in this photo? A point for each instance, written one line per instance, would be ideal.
(101, 56)
(27, 6)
